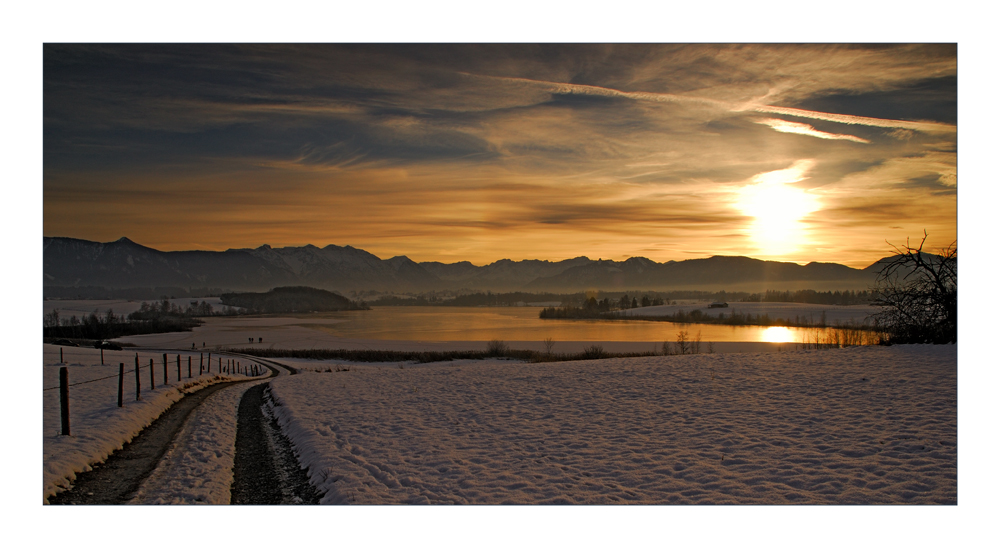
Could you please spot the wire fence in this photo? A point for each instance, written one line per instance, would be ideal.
(141, 367)
(232, 367)
(115, 376)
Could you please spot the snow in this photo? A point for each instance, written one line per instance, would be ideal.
(867, 425)
(98, 427)
(198, 467)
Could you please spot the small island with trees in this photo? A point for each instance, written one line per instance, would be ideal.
(283, 300)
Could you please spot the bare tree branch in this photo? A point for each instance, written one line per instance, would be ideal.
(918, 295)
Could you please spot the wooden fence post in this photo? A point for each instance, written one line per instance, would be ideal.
(102, 355)
(178, 368)
(137, 391)
(165, 376)
(121, 383)
(60, 355)
(201, 362)
(152, 376)
(64, 399)
(189, 366)
(209, 363)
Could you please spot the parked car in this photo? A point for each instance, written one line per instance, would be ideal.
(718, 304)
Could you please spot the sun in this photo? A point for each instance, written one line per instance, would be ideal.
(778, 209)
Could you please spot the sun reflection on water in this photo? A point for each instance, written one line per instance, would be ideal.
(777, 335)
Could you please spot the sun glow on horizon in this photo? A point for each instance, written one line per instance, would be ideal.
(778, 209)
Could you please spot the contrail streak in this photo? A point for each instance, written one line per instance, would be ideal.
(927, 127)
(580, 89)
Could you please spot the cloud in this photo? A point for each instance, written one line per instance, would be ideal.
(525, 151)
(785, 126)
(926, 127)
(563, 88)
(570, 89)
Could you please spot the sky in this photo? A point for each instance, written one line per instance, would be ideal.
(480, 152)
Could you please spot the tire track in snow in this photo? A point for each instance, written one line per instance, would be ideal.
(116, 480)
(119, 477)
(265, 468)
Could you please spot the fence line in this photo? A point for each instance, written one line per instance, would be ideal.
(64, 384)
(141, 367)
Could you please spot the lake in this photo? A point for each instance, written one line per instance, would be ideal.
(438, 323)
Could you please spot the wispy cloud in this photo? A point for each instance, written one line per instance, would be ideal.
(491, 150)
(564, 88)
(579, 89)
(926, 127)
(784, 126)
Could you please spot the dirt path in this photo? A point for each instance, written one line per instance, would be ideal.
(116, 480)
(265, 470)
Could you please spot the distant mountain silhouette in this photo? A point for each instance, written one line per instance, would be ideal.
(720, 272)
(121, 264)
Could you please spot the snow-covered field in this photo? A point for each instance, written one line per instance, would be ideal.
(867, 425)
(98, 426)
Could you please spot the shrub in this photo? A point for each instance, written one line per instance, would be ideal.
(593, 352)
(497, 348)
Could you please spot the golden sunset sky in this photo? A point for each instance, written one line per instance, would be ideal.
(458, 152)
(483, 152)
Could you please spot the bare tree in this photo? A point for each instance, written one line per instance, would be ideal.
(51, 319)
(918, 295)
(682, 342)
(549, 343)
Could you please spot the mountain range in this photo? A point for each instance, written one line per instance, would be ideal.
(73, 263)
